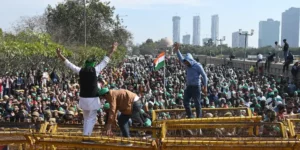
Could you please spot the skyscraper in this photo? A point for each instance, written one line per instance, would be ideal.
(186, 39)
(268, 32)
(238, 40)
(176, 29)
(215, 28)
(196, 30)
(290, 26)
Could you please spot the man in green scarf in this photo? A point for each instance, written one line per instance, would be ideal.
(89, 101)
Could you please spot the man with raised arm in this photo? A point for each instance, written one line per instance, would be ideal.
(89, 100)
(193, 82)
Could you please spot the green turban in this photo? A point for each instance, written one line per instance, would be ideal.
(103, 91)
(295, 93)
(90, 63)
(147, 123)
(173, 103)
(181, 91)
(106, 106)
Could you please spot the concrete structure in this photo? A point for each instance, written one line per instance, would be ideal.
(275, 69)
(268, 32)
(290, 26)
(196, 30)
(238, 40)
(186, 39)
(215, 28)
(176, 29)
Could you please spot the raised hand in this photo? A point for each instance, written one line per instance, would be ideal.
(115, 46)
(176, 46)
(113, 49)
(58, 51)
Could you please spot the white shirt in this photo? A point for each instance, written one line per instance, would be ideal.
(92, 103)
(262, 98)
(259, 56)
(277, 48)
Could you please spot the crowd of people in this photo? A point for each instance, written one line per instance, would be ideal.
(46, 96)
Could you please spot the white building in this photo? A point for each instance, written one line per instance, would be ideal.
(215, 28)
(186, 39)
(196, 30)
(290, 26)
(176, 29)
(238, 40)
(268, 32)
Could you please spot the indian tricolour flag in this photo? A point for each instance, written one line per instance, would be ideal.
(159, 62)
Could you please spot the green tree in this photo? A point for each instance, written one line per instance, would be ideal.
(26, 50)
(65, 23)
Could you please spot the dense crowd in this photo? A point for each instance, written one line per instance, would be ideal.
(46, 96)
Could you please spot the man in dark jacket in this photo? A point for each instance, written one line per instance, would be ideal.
(269, 60)
(289, 60)
(295, 71)
(285, 49)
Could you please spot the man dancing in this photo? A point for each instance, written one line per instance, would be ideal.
(193, 82)
(89, 101)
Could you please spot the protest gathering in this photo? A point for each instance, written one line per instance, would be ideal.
(92, 74)
(127, 95)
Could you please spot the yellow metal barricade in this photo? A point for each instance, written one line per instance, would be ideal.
(103, 142)
(202, 120)
(166, 114)
(259, 136)
(19, 135)
(294, 127)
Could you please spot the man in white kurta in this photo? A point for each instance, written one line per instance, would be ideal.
(89, 105)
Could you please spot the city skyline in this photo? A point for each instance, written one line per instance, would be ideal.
(290, 26)
(151, 18)
(215, 28)
(186, 39)
(239, 41)
(176, 29)
(196, 30)
(269, 32)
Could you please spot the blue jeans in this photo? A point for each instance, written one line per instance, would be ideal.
(123, 119)
(192, 92)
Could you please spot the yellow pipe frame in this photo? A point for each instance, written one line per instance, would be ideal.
(49, 136)
(155, 112)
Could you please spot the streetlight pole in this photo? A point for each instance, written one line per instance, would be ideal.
(221, 40)
(246, 34)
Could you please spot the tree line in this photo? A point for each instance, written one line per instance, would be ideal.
(32, 43)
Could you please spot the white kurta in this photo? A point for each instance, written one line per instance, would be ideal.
(94, 102)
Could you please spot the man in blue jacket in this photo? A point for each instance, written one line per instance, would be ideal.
(193, 82)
